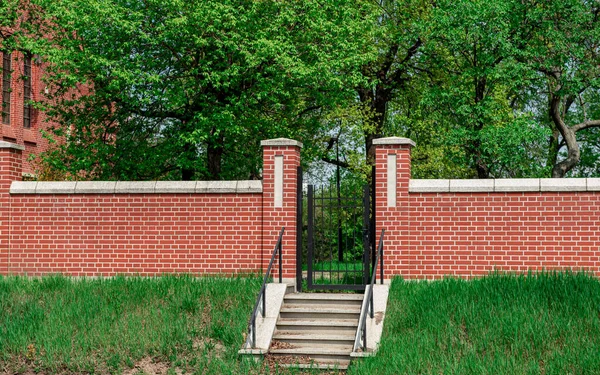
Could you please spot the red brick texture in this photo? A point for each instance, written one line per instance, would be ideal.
(149, 234)
(471, 234)
(274, 218)
(14, 131)
(430, 235)
(10, 170)
(146, 234)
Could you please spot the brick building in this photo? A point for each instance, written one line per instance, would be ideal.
(21, 122)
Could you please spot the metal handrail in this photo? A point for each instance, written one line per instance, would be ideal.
(362, 327)
(251, 340)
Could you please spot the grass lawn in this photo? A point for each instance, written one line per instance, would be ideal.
(132, 325)
(533, 324)
(545, 324)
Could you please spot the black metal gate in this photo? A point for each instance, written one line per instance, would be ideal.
(337, 237)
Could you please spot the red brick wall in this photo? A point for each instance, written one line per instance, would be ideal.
(277, 217)
(145, 234)
(10, 170)
(430, 235)
(467, 234)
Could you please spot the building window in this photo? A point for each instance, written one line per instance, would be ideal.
(6, 70)
(27, 92)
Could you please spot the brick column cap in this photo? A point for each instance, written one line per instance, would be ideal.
(281, 142)
(14, 146)
(394, 141)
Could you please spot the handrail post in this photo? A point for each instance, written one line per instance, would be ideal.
(280, 260)
(262, 294)
(370, 308)
(381, 265)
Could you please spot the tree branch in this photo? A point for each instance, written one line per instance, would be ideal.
(341, 163)
(585, 125)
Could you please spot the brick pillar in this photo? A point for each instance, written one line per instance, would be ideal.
(10, 170)
(392, 169)
(281, 159)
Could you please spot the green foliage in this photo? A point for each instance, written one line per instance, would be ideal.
(188, 89)
(155, 90)
(500, 324)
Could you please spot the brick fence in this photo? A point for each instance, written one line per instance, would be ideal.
(433, 227)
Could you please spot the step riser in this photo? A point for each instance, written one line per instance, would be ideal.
(308, 343)
(321, 309)
(325, 303)
(322, 330)
(319, 327)
(325, 317)
(318, 358)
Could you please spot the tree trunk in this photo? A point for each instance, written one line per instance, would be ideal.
(214, 154)
(553, 148)
(560, 169)
(187, 172)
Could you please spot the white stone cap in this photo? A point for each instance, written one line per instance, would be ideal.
(281, 142)
(394, 141)
(508, 185)
(135, 187)
(14, 146)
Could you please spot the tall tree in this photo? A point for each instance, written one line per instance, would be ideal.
(472, 46)
(186, 89)
(398, 43)
(565, 50)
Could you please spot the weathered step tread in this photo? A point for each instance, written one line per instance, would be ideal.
(283, 335)
(315, 366)
(325, 296)
(320, 309)
(308, 351)
(317, 322)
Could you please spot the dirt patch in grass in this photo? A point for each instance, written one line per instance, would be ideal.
(149, 366)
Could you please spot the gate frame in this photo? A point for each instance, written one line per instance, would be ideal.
(368, 204)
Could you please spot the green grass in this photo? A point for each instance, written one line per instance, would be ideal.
(60, 325)
(501, 324)
(335, 265)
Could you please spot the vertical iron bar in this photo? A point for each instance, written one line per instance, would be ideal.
(311, 244)
(280, 245)
(339, 203)
(299, 193)
(366, 222)
(254, 333)
(264, 294)
(381, 263)
(373, 228)
(364, 337)
(371, 301)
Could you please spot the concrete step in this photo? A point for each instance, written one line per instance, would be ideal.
(318, 326)
(331, 356)
(316, 330)
(316, 336)
(316, 313)
(315, 366)
(315, 340)
(328, 297)
(309, 299)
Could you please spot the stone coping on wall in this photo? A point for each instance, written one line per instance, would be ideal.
(11, 145)
(513, 185)
(135, 187)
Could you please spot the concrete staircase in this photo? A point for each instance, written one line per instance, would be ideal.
(316, 330)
